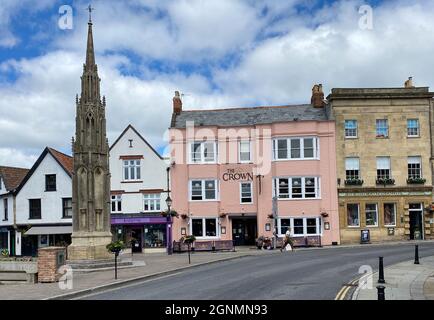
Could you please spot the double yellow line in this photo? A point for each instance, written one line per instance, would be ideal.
(344, 290)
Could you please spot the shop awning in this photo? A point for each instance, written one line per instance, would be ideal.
(38, 230)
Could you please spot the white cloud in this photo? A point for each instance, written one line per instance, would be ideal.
(300, 48)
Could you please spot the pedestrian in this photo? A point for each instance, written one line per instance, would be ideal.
(287, 241)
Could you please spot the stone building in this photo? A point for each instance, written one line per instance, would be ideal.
(384, 166)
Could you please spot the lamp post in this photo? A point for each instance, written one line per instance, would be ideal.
(169, 225)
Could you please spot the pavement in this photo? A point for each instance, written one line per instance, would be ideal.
(403, 281)
(145, 266)
(307, 273)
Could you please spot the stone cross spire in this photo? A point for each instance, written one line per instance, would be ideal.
(91, 176)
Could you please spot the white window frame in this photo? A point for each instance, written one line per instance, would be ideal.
(349, 168)
(376, 215)
(303, 188)
(156, 199)
(239, 151)
(389, 167)
(378, 127)
(204, 227)
(394, 209)
(202, 159)
(203, 182)
(319, 226)
(358, 215)
(315, 146)
(419, 158)
(115, 198)
(345, 129)
(241, 192)
(418, 128)
(137, 169)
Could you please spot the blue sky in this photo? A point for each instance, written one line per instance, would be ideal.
(218, 53)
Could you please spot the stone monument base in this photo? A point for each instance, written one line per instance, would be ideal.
(89, 246)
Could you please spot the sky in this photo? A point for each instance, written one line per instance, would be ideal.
(217, 53)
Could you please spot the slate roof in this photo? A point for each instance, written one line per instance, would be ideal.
(12, 176)
(249, 116)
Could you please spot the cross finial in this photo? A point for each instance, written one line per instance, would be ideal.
(90, 13)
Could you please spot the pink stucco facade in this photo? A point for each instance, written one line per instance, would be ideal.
(261, 171)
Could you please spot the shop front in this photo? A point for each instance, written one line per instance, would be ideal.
(139, 232)
(388, 215)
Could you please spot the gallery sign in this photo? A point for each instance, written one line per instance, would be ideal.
(237, 174)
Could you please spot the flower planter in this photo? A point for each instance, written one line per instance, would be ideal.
(386, 181)
(353, 182)
(416, 181)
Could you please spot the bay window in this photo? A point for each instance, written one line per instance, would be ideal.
(297, 188)
(295, 148)
(203, 190)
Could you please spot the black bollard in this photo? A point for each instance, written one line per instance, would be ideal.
(416, 254)
(381, 271)
(116, 264)
(380, 293)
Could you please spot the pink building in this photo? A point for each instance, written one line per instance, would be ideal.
(240, 173)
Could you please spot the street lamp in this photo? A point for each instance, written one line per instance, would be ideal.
(169, 225)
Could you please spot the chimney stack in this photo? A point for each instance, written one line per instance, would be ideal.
(409, 83)
(177, 103)
(317, 99)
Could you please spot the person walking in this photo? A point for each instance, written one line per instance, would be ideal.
(287, 240)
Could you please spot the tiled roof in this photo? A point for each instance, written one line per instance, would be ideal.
(12, 176)
(65, 161)
(249, 116)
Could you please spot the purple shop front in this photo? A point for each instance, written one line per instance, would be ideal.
(140, 232)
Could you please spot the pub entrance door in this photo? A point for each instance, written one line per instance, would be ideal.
(244, 231)
(136, 240)
(416, 221)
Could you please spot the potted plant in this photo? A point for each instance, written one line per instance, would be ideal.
(184, 216)
(171, 213)
(223, 215)
(416, 180)
(115, 247)
(353, 182)
(4, 253)
(189, 239)
(270, 216)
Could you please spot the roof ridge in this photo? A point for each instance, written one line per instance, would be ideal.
(11, 167)
(244, 108)
(55, 150)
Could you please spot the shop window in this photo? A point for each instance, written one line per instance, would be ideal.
(371, 213)
(353, 215)
(311, 227)
(285, 224)
(390, 214)
(155, 235)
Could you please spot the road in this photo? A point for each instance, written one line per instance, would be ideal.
(304, 274)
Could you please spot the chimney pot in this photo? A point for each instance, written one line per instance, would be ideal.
(409, 83)
(177, 103)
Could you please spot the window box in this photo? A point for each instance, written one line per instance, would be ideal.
(385, 181)
(416, 181)
(353, 182)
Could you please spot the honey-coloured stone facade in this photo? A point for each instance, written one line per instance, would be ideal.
(397, 105)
